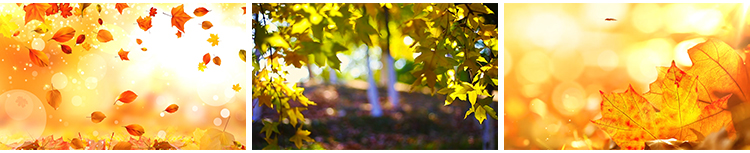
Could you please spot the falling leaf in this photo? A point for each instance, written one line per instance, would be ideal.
(104, 36)
(38, 57)
(215, 139)
(42, 28)
(50, 143)
(66, 49)
(86, 46)
(242, 55)
(206, 58)
(97, 117)
(179, 17)
(206, 25)
(65, 10)
(123, 55)
(100, 21)
(172, 108)
(35, 11)
(121, 6)
(162, 145)
(16, 33)
(201, 66)
(142, 143)
(53, 9)
(77, 144)
(80, 39)
(135, 129)
(64, 34)
(6, 26)
(98, 8)
(144, 23)
(127, 97)
(139, 41)
(217, 60)
(299, 136)
(122, 145)
(29, 145)
(152, 12)
(214, 40)
(244, 10)
(144, 49)
(179, 34)
(610, 19)
(54, 98)
(199, 12)
(236, 87)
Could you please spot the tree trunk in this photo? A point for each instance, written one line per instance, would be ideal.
(372, 89)
(388, 63)
(257, 110)
(488, 134)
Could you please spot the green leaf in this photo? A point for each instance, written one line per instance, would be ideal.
(491, 111)
(480, 114)
(278, 41)
(272, 144)
(300, 26)
(269, 127)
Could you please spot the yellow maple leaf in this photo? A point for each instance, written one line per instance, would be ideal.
(7, 27)
(214, 40)
(201, 66)
(301, 135)
(236, 87)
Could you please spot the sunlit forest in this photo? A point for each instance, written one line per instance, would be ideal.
(374, 76)
(626, 76)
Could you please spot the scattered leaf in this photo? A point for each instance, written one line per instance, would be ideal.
(64, 34)
(206, 25)
(86, 46)
(217, 60)
(206, 58)
(610, 19)
(98, 8)
(201, 11)
(53, 9)
(77, 144)
(123, 55)
(29, 145)
(215, 139)
(54, 98)
(16, 33)
(244, 10)
(104, 36)
(100, 21)
(80, 39)
(214, 40)
(179, 34)
(66, 49)
(121, 6)
(65, 10)
(122, 145)
(42, 28)
(144, 23)
(201, 66)
(97, 117)
(135, 129)
(152, 12)
(172, 108)
(242, 55)
(35, 11)
(163, 145)
(127, 97)
(144, 49)
(38, 57)
(179, 17)
(139, 41)
(236, 87)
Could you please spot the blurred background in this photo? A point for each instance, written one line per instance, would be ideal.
(559, 56)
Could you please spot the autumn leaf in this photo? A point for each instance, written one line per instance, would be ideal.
(135, 129)
(123, 55)
(64, 34)
(16, 33)
(214, 40)
(199, 12)
(202, 66)
(66, 49)
(38, 57)
(217, 60)
(54, 98)
(86, 46)
(144, 49)
(121, 6)
(206, 25)
(152, 12)
(100, 21)
(50, 143)
(139, 41)
(127, 97)
(104, 36)
(172, 108)
(179, 17)
(269, 127)
(29, 145)
(242, 55)
(179, 34)
(80, 39)
(144, 23)
(6, 26)
(35, 11)
(42, 28)
(77, 144)
(97, 116)
(162, 145)
(236, 87)
(206, 58)
(215, 139)
(629, 119)
(122, 145)
(244, 10)
(300, 136)
(98, 8)
(65, 10)
(294, 114)
(53, 9)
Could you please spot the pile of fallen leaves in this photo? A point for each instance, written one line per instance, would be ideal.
(201, 139)
(705, 107)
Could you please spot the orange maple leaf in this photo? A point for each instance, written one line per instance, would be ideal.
(152, 12)
(35, 11)
(65, 10)
(121, 6)
(144, 23)
(179, 17)
(123, 55)
(53, 9)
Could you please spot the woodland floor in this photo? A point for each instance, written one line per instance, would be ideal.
(422, 122)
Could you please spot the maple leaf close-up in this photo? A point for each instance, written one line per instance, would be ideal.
(616, 79)
(73, 78)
